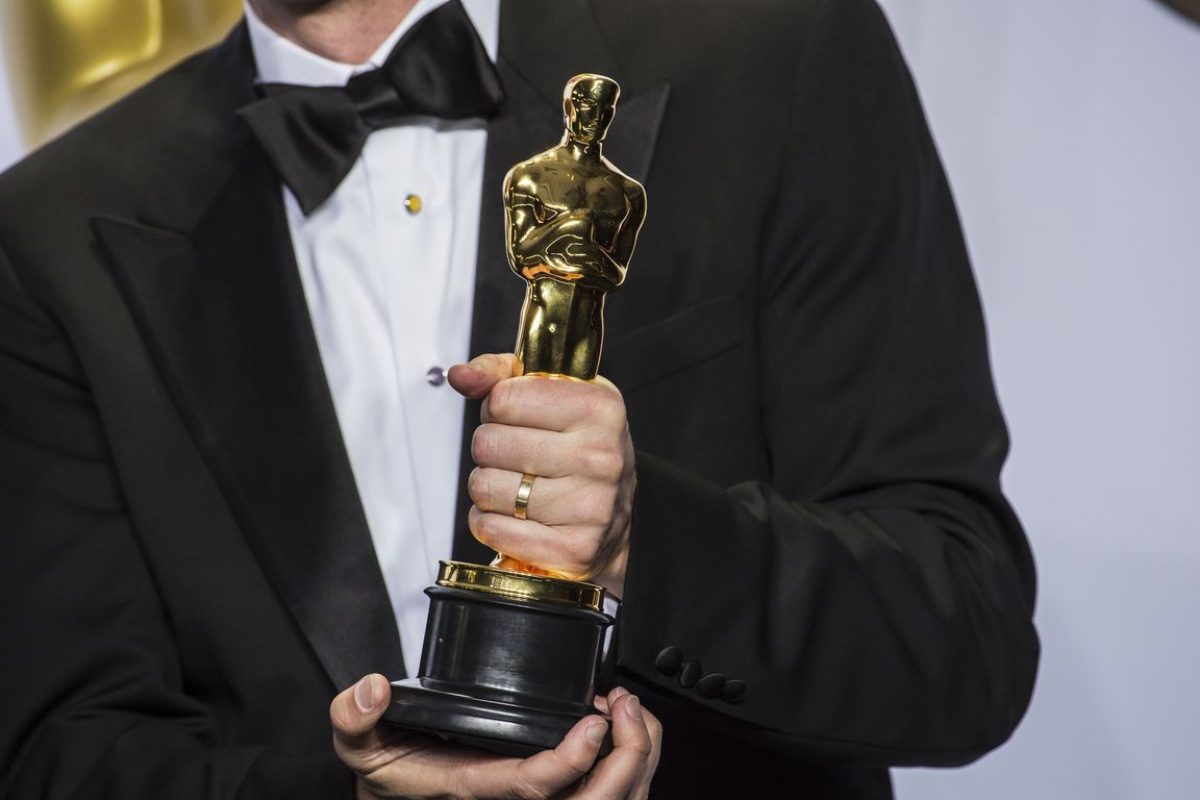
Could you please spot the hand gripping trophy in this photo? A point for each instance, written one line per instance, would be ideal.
(511, 651)
(572, 221)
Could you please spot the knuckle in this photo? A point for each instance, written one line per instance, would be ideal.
(595, 508)
(483, 527)
(592, 406)
(488, 528)
(581, 551)
(606, 503)
(608, 408)
(526, 789)
(485, 444)
(604, 462)
(573, 763)
(476, 445)
(501, 399)
(481, 485)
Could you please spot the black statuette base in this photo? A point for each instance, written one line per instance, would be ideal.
(512, 676)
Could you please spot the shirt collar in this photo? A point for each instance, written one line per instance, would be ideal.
(282, 61)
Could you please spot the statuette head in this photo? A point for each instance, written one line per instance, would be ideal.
(589, 104)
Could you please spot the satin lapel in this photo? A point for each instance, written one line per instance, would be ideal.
(534, 68)
(209, 274)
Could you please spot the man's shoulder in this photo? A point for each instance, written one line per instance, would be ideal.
(730, 20)
(731, 47)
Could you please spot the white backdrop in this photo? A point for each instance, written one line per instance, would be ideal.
(1071, 131)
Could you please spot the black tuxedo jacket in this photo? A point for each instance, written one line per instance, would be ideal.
(186, 568)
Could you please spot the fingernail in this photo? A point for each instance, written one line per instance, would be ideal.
(595, 732)
(617, 693)
(633, 708)
(366, 694)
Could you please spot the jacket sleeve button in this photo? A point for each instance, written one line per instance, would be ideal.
(733, 691)
(690, 674)
(711, 686)
(669, 661)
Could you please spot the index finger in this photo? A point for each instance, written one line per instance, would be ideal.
(553, 404)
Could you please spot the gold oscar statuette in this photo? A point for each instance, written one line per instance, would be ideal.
(572, 220)
(511, 650)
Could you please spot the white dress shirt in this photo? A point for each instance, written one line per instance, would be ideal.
(388, 269)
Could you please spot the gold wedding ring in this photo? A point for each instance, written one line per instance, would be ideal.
(521, 504)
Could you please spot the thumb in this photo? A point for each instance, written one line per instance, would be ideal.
(477, 377)
(354, 714)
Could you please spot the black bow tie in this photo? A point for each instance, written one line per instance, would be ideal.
(314, 134)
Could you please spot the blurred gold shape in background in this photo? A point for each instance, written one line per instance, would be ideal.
(70, 58)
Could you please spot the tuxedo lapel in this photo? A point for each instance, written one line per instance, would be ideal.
(534, 67)
(209, 274)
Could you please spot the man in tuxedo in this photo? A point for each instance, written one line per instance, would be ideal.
(222, 485)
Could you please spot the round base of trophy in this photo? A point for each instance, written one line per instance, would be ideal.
(509, 661)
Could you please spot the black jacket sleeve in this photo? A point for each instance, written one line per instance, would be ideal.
(876, 594)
